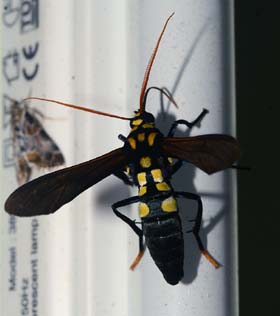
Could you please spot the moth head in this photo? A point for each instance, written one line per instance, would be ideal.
(142, 118)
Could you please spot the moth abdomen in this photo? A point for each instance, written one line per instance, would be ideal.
(164, 239)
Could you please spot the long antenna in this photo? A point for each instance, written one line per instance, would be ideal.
(80, 108)
(164, 91)
(149, 66)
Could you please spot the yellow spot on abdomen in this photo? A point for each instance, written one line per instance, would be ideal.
(170, 160)
(142, 191)
(141, 137)
(151, 138)
(169, 205)
(141, 177)
(132, 142)
(144, 209)
(157, 175)
(145, 162)
(163, 186)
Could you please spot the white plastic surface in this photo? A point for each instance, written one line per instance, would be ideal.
(95, 53)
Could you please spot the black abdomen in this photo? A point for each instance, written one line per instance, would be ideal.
(165, 241)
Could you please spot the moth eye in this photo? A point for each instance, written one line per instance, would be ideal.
(148, 117)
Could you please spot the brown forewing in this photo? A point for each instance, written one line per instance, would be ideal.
(48, 193)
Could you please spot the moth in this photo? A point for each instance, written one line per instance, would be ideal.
(148, 159)
(32, 145)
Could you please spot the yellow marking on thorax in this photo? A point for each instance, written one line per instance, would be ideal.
(157, 175)
(169, 205)
(141, 177)
(144, 209)
(145, 162)
(170, 160)
(148, 125)
(151, 138)
(141, 137)
(163, 186)
(137, 122)
(132, 142)
(142, 191)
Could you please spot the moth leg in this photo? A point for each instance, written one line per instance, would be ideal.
(197, 225)
(124, 177)
(177, 165)
(187, 123)
(132, 224)
(122, 138)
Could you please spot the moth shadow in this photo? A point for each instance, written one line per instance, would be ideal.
(183, 180)
(192, 253)
(113, 192)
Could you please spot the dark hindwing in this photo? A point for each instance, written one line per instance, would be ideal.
(210, 153)
(48, 193)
